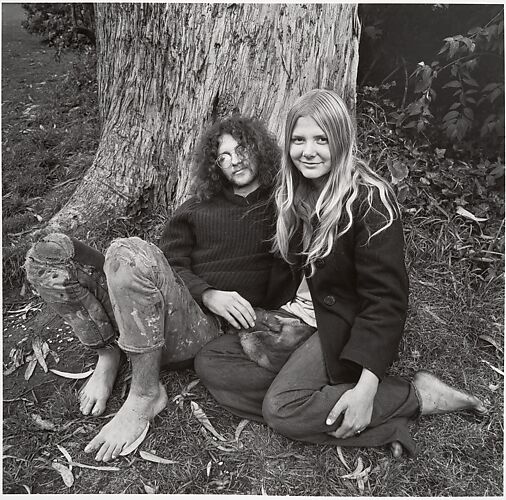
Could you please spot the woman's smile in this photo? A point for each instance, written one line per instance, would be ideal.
(309, 149)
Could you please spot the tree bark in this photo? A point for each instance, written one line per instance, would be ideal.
(165, 71)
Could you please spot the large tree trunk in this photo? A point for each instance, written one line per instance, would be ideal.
(165, 71)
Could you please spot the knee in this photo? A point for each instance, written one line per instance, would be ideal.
(281, 415)
(123, 261)
(52, 250)
(206, 364)
(216, 363)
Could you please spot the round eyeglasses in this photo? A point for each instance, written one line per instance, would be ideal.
(224, 160)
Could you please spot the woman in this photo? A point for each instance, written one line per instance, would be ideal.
(339, 227)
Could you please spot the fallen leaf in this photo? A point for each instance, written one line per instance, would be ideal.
(65, 472)
(225, 448)
(55, 357)
(133, 446)
(264, 493)
(468, 215)
(14, 458)
(45, 425)
(202, 418)
(95, 467)
(45, 349)
(493, 367)
(76, 376)
(208, 468)
(30, 369)
(191, 385)
(109, 415)
(490, 340)
(341, 458)
(360, 484)
(66, 454)
(17, 399)
(358, 469)
(16, 355)
(242, 424)
(150, 457)
(433, 314)
(28, 490)
(149, 489)
(10, 370)
(493, 387)
(37, 350)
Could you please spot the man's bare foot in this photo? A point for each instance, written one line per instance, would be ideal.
(127, 425)
(94, 395)
(396, 448)
(438, 397)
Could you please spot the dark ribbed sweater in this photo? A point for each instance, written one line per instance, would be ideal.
(223, 243)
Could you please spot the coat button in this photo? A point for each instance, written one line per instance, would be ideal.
(329, 300)
(319, 263)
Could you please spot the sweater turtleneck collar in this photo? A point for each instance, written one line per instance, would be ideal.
(259, 194)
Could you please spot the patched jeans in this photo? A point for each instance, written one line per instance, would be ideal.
(136, 300)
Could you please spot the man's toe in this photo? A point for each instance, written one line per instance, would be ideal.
(99, 407)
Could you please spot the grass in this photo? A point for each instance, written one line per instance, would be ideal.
(454, 329)
(50, 130)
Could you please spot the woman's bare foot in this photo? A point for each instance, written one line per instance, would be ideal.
(396, 448)
(438, 397)
(128, 424)
(94, 395)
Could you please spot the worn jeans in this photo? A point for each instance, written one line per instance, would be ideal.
(296, 401)
(136, 300)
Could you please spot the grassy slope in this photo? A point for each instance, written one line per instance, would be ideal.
(452, 304)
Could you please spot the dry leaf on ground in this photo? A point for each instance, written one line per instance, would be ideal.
(76, 376)
(95, 467)
(149, 489)
(493, 367)
(202, 418)
(45, 425)
(66, 454)
(133, 446)
(16, 356)
(65, 472)
(341, 458)
(38, 350)
(468, 215)
(191, 385)
(30, 369)
(150, 457)
(490, 340)
(242, 424)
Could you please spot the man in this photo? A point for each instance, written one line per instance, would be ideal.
(213, 268)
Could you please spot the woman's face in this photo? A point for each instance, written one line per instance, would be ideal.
(309, 149)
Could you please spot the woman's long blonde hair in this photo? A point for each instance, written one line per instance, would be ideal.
(296, 198)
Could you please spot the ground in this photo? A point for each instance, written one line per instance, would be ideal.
(454, 329)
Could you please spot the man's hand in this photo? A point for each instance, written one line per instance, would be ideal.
(357, 405)
(231, 306)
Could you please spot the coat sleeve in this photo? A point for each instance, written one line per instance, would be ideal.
(177, 243)
(382, 288)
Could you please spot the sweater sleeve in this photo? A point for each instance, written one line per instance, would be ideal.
(382, 287)
(177, 243)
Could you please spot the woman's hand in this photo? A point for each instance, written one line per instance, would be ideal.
(231, 306)
(357, 405)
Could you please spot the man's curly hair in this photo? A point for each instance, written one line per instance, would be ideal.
(248, 132)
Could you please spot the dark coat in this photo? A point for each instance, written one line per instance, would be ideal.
(360, 296)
